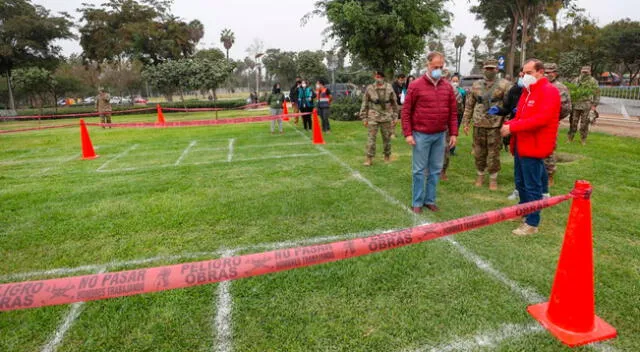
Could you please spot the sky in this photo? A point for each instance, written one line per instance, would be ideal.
(277, 23)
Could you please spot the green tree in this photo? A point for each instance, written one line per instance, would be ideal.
(227, 38)
(281, 66)
(384, 34)
(621, 40)
(122, 30)
(209, 54)
(26, 37)
(311, 65)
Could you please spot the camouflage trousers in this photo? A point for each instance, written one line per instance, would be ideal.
(386, 128)
(487, 144)
(105, 117)
(550, 163)
(579, 117)
(447, 152)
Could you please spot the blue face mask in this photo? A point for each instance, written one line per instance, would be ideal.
(436, 74)
(520, 83)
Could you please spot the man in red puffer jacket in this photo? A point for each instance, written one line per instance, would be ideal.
(534, 130)
(429, 110)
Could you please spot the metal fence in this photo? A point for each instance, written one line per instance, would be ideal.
(621, 92)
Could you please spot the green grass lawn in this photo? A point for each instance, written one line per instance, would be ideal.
(165, 196)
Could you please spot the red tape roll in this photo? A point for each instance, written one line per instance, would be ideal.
(32, 294)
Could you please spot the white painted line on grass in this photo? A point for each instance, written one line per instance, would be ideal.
(487, 339)
(223, 319)
(133, 147)
(184, 153)
(528, 294)
(230, 154)
(45, 170)
(74, 313)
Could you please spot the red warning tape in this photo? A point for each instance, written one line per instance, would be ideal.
(229, 121)
(115, 112)
(39, 128)
(32, 294)
(87, 114)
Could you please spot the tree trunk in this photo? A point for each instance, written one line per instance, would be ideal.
(512, 45)
(12, 103)
(525, 30)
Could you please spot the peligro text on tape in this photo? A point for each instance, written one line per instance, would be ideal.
(32, 294)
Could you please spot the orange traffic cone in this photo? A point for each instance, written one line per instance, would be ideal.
(87, 147)
(317, 133)
(570, 313)
(160, 114)
(285, 111)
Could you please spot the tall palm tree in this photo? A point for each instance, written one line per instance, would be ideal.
(227, 38)
(458, 43)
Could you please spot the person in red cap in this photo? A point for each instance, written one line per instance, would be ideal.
(533, 130)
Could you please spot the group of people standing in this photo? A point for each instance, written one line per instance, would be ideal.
(433, 107)
(304, 98)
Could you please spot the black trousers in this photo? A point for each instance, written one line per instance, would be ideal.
(306, 118)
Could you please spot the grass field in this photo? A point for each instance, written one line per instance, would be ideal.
(164, 196)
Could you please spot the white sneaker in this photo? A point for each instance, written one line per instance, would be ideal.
(513, 196)
(546, 195)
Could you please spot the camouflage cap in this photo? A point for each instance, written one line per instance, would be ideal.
(585, 68)
(490, 63)
(550, 67)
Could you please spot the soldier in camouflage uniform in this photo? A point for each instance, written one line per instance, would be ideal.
(551, 71)
(484, 106)
(379, 111)
(103, 104)
(583, 108)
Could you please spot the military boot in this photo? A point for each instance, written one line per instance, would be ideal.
(387, 159)
(368, 161)
(479, 180)
(493, 184)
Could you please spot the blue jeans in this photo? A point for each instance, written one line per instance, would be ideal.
(528, 175)
(428, 154)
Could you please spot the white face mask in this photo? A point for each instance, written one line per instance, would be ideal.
(304, 85)
(528, 80)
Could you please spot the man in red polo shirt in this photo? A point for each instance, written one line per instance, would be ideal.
(429, 110)
(534, 130)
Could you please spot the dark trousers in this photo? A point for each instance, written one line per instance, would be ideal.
(528, 175)
(324, 116)
(306, 118)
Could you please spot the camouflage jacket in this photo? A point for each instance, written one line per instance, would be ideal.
(103, 102)
(481, 98)
(379, 104)
(565, 99)
(591, 83)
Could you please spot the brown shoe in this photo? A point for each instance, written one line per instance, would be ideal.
(525, 230)
(368, 161)
(387, 159)
(434, 208)
(493, 184)
(443, 176)
(417, 210)
(550, 180)
(479, 180)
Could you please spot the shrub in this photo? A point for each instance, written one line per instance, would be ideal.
(346, 108)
